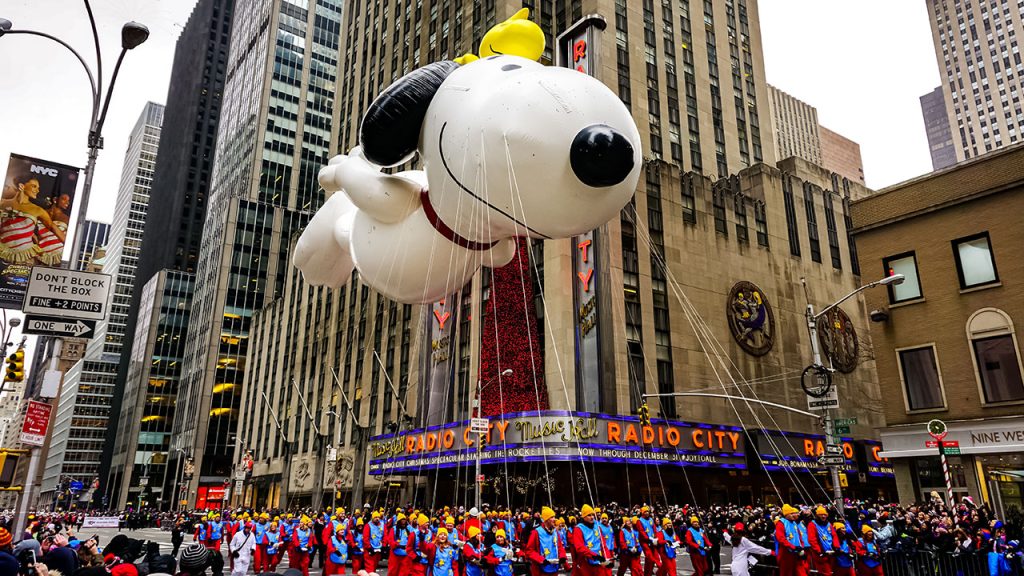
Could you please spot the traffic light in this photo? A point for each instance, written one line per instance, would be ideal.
(645, 414)
(15, 366)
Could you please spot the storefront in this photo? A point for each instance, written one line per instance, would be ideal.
(989, 468)
(570, 457)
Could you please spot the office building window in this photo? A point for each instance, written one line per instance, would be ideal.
(740, 209)
(905, 264)
(995, 356)
(718, 199)
(791, 225)
(761, 224)
(812, 222)
(975, 264)
(922, 383)
(689, 200)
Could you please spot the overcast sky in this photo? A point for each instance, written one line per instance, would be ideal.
(862, 64)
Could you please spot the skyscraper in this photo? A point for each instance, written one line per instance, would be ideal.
(167, 262)
(796, 126)
(275, 134)
(936, 125)
(126, 230)
(977, 49)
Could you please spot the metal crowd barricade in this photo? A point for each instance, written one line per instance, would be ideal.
(933, 563)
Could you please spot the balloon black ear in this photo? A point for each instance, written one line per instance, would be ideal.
(391, 126)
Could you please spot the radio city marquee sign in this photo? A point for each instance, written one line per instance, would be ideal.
(876, 464)
(796, 451)
(560, 436)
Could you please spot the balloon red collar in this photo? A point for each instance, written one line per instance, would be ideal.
(444, 230)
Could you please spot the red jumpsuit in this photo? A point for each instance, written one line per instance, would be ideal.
(418, 548)
(371, 558)
(536, 556)
(698, 546)
(331, 568)
(584, 554)
(355, 549)
(649, 544)
(398, 557)
(301, 546)
(629, 553)
(821, 561)
(790, 561)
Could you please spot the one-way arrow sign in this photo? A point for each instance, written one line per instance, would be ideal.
(50, 326)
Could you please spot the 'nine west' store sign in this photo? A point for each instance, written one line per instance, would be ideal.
(561, 436)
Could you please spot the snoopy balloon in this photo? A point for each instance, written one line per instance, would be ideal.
(509, 148)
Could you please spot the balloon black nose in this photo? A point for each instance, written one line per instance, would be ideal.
(601, 156)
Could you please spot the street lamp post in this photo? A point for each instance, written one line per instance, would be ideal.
(479, 435)
(133, 34)
(831, 437)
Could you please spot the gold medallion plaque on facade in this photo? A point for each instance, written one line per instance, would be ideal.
(751, 320)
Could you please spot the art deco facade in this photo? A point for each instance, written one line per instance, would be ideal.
(275, 133)
(713, 209)
(977, 47)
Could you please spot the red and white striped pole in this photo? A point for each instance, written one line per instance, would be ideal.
(937, 430)
(945, 474)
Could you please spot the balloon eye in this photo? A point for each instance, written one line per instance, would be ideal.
(510, 67)
(601, 156)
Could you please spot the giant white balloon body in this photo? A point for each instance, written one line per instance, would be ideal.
(509, 148)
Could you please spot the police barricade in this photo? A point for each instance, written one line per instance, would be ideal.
(934, 563)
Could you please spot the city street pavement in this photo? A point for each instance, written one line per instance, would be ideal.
(163, 537)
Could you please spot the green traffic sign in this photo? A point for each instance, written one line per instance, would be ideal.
(846, 421)
(951, 451)
(842, 429)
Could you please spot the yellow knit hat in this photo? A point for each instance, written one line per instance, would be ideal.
(787, 510)
(667, 522)
(500, 532)
(838, 525)
(442, 530)
(586, 510)
(399, 517)
(546, 514)
(473, 531)
(865, 529)
(820, 510)
(423, 520)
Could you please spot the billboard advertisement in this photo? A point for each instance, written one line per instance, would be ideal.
(35, 213)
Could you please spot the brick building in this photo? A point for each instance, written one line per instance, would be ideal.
(945, 340)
